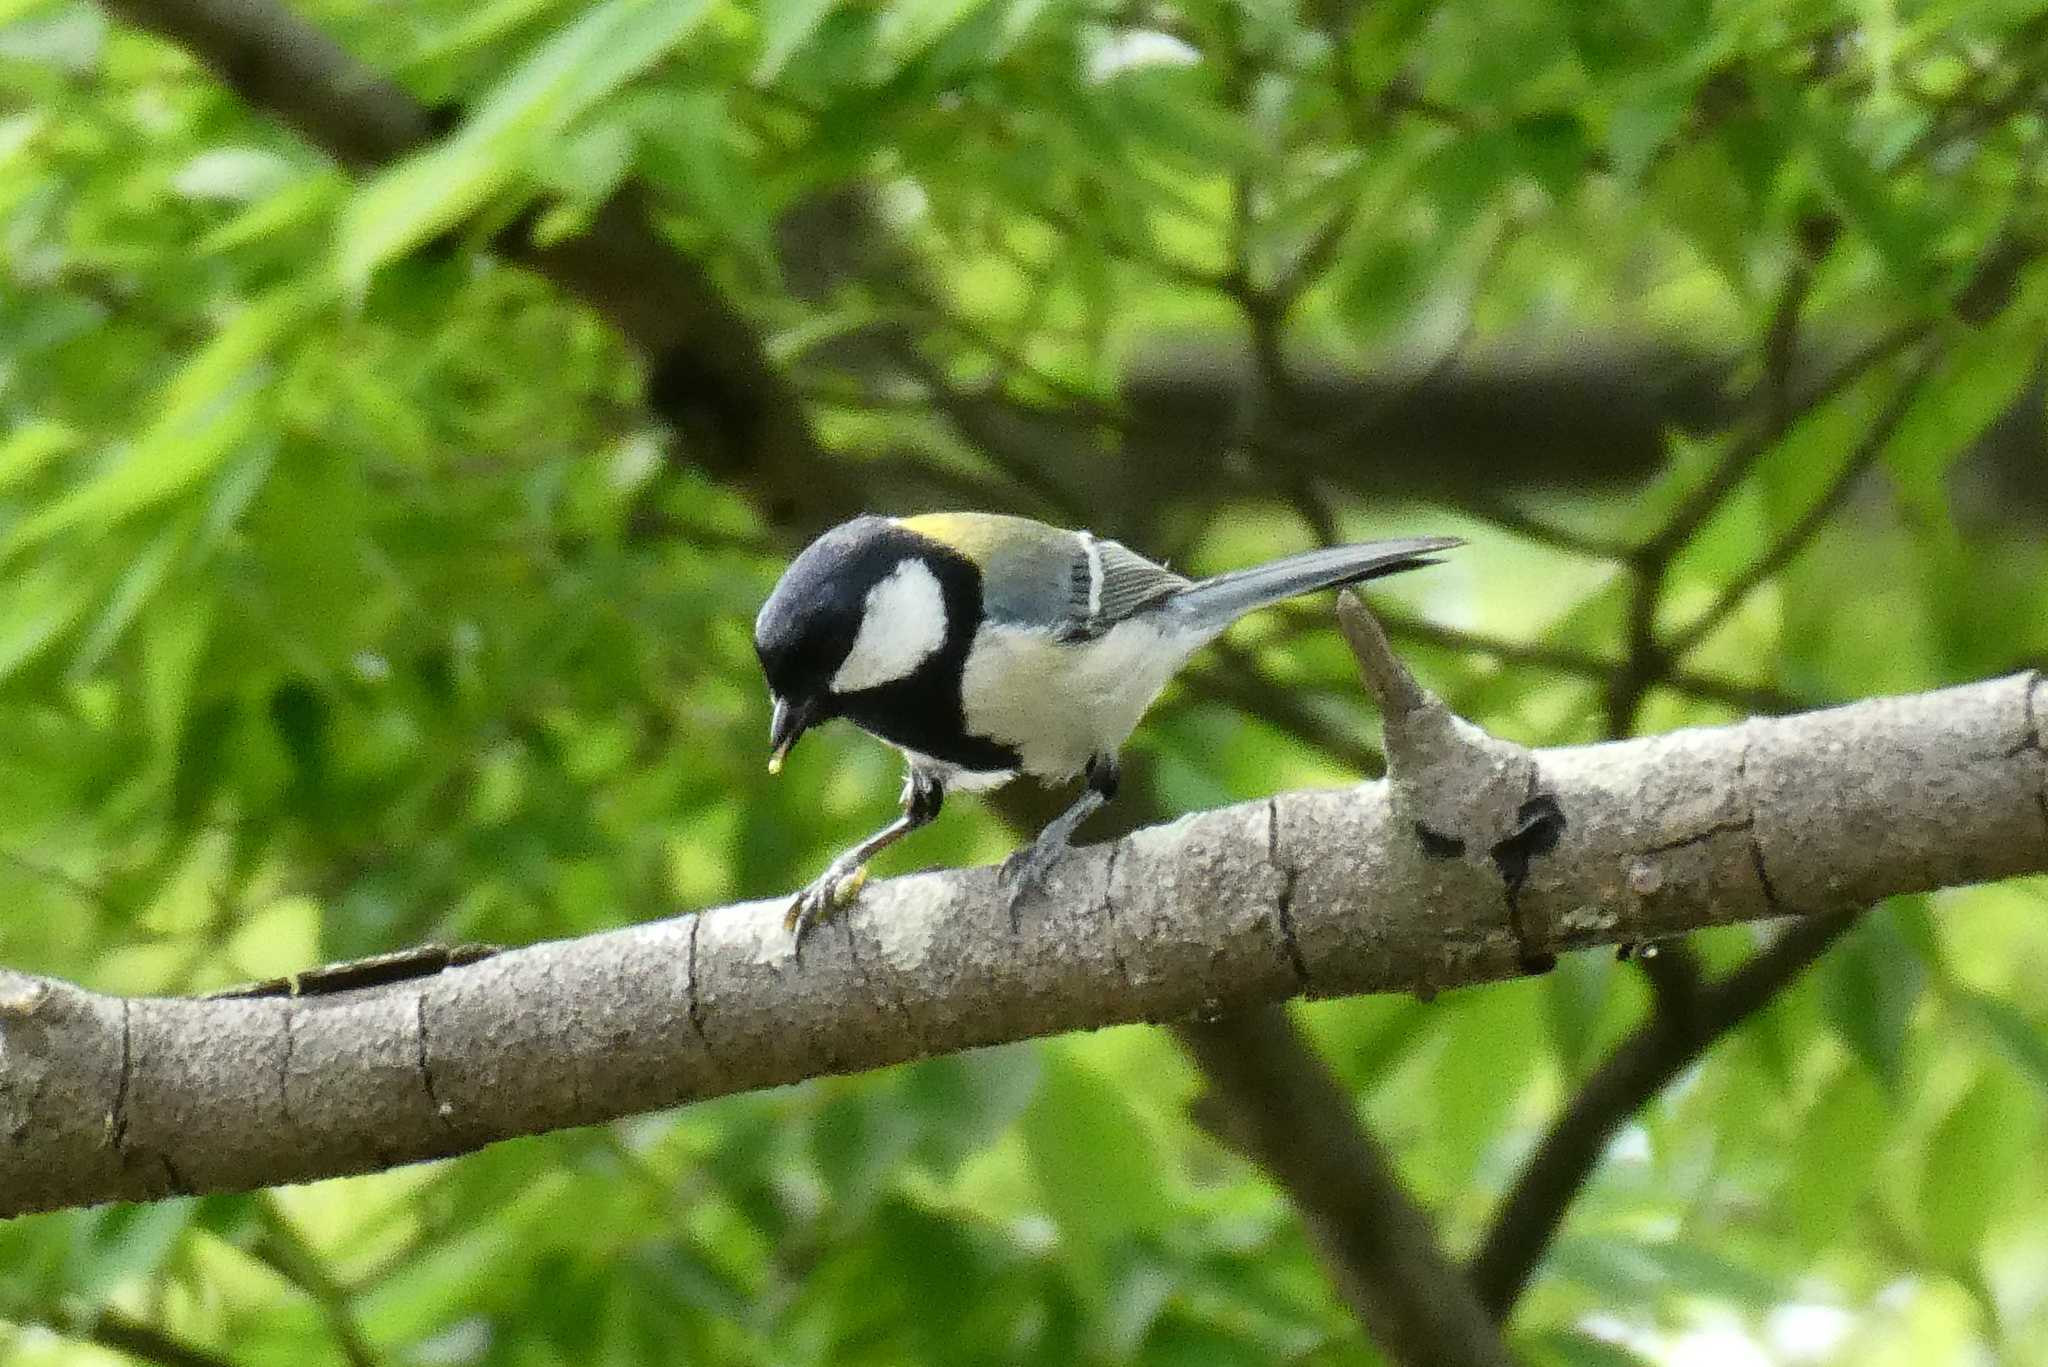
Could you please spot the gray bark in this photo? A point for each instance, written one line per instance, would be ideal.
(1324, 893)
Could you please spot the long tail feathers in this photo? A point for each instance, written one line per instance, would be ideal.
(1214, 604)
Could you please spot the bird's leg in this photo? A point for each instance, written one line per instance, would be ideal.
(843, 879)
(1027, 868)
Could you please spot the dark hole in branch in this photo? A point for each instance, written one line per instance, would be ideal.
(1437, 845)
(1539, 825)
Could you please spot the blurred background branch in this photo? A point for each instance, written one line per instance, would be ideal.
(1684, 1024)
(1274, 1099)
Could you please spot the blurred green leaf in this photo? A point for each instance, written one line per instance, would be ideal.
(1172, 110)
(114, 1245)
(1840, 1142)
(1975, 381)
(1871, 983)
(1636, 1270)
(1576, 995)
(1490, 1044)
(908, 27)
(2024, 1043)
(482, 26)
(966, 1101)
(33, 446)
(420, 196)
(1973, 1161)
(1575, 1348)
(35, 608)
(516, 122)
(685, 140)
(786, 25)
(131, 592)
(212, 409)
(1900, 230)
(282, 938)
(861, 1138)
(1096, 1166)
(300, 206)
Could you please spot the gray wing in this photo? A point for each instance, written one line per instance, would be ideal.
(1129, 583)
(1074, 585)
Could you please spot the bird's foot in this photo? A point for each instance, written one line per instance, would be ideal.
(836, 887)
(1024, 872)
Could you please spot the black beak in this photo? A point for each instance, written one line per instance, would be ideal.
(790, 722)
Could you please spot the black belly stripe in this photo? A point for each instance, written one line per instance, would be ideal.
(927, 720)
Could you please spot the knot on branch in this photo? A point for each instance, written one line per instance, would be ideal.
(20, 996)
(1473, 803)
(28, 1008)
(21, 999)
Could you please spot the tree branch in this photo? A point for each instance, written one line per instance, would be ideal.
(1285, 1111)
(281, 1248)
(286, 67)
(1368, 889)
(1289, 1115)
(116, 1332)
(1639, 1068)
(1565, 659)
(1809, 523)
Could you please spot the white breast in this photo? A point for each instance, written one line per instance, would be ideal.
(903, 621)
(1059, 704)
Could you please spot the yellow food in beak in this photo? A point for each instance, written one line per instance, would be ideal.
(784, 730)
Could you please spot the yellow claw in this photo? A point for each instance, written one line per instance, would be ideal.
(841, 894)
(850, 886)
(775, 763)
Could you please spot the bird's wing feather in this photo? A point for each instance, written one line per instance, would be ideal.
(1073, 584)
(1129, 583)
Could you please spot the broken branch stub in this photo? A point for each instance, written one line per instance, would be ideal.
(1473, 806)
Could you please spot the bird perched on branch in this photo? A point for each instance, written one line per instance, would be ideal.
(984, 647)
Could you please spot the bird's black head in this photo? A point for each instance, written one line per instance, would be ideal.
(814, 637)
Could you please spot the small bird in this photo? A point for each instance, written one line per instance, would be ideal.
(984, 646)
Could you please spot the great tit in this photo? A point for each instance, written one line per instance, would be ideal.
(985, 646)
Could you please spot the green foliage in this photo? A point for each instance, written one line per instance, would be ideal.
(352, 595)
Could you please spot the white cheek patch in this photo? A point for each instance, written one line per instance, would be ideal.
(902, 624)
